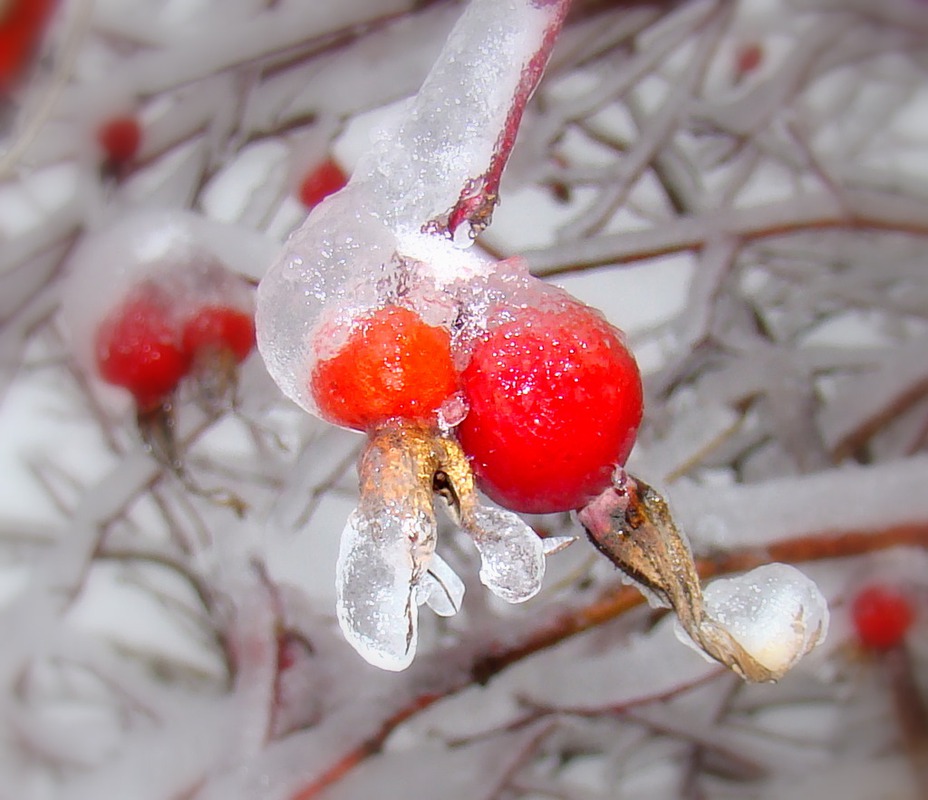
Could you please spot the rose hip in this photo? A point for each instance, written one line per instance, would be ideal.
(322, 180)
(393, 365)
(219, 329)
(882, 617)
(555, 401)
(137, 348)
(119, 138)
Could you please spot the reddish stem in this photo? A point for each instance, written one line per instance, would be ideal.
(480, 196)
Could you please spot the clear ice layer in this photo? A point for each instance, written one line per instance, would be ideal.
(368, 244)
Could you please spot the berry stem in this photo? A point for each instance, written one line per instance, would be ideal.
(632, 526)
(479, 197)
(493, 59)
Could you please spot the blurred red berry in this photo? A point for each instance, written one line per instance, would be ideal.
(137, 349)
(119, 139)
(882, 617)
(748, 58)
(22, 24)
(219, 328)
(555, 401)
(322, 180)
(288, 650)
(393, 365)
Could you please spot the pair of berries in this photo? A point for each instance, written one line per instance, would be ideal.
(143, 348)
(554, 397)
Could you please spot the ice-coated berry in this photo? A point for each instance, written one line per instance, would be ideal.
(219, 328)
(322, 180)
(137, 348)
(555, 401)
(882, 617)
(119, 139)
(393, 365)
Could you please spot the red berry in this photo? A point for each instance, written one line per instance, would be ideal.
(137, 348)
(393, 365)
(22, 23)
(287, 651)
(321, 181)
(119, 139)
(748, 58)
(218, 328)
(554, 402)
(882, 617)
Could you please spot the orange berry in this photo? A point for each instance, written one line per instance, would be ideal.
(393, 365)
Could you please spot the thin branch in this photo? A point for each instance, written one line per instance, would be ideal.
(865, 209)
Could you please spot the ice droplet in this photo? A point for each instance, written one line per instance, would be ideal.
(441, 588)
(775, 613)
(512, 554)
(379, 562)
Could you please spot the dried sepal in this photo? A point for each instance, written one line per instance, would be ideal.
(387, 564)
(512, 555)
(759, 624)
(387, 547)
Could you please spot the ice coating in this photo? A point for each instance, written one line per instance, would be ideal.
(452, 127)
(197, 261)
(387, 564)
(376, 578)
(440, 588)
(512, 554)
(774, 612)
(386, 232)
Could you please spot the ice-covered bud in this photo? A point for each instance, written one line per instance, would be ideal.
(759, 624)
(774, 612)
